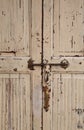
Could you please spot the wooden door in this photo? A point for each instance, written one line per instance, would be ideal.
(50, 32)
(20, 89)
(64, 40)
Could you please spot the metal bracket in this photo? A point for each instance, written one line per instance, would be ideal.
(63, 64)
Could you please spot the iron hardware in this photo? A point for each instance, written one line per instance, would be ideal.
(47, 77)
(63, 64)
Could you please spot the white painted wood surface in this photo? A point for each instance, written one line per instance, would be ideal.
(64, 39)
(15, 101)
(63, 28)
(68, 103)
(20, 89)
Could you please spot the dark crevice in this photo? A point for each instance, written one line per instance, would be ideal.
(53, 25)
(14, 52)
(42, 57)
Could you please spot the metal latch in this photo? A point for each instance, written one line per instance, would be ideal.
(47, 78)
(63, 64)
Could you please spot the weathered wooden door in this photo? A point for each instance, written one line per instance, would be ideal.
(41, 64)
(20, 89)
(64, 40)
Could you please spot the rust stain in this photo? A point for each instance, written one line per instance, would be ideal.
(46, 91)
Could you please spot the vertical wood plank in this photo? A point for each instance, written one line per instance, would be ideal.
(67, 102)
(37, 100)
(36, 29)
(15, 102)
(48, 28)
(15, 26)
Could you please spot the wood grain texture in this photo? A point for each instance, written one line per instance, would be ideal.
(15, 26)
(63, 39)
(36, 30)
(68, 102)
(36, 96)
(67, 105)
(20, 39)
(63, 28)
(15, 102)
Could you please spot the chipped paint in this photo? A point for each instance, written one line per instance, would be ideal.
(79, 111)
